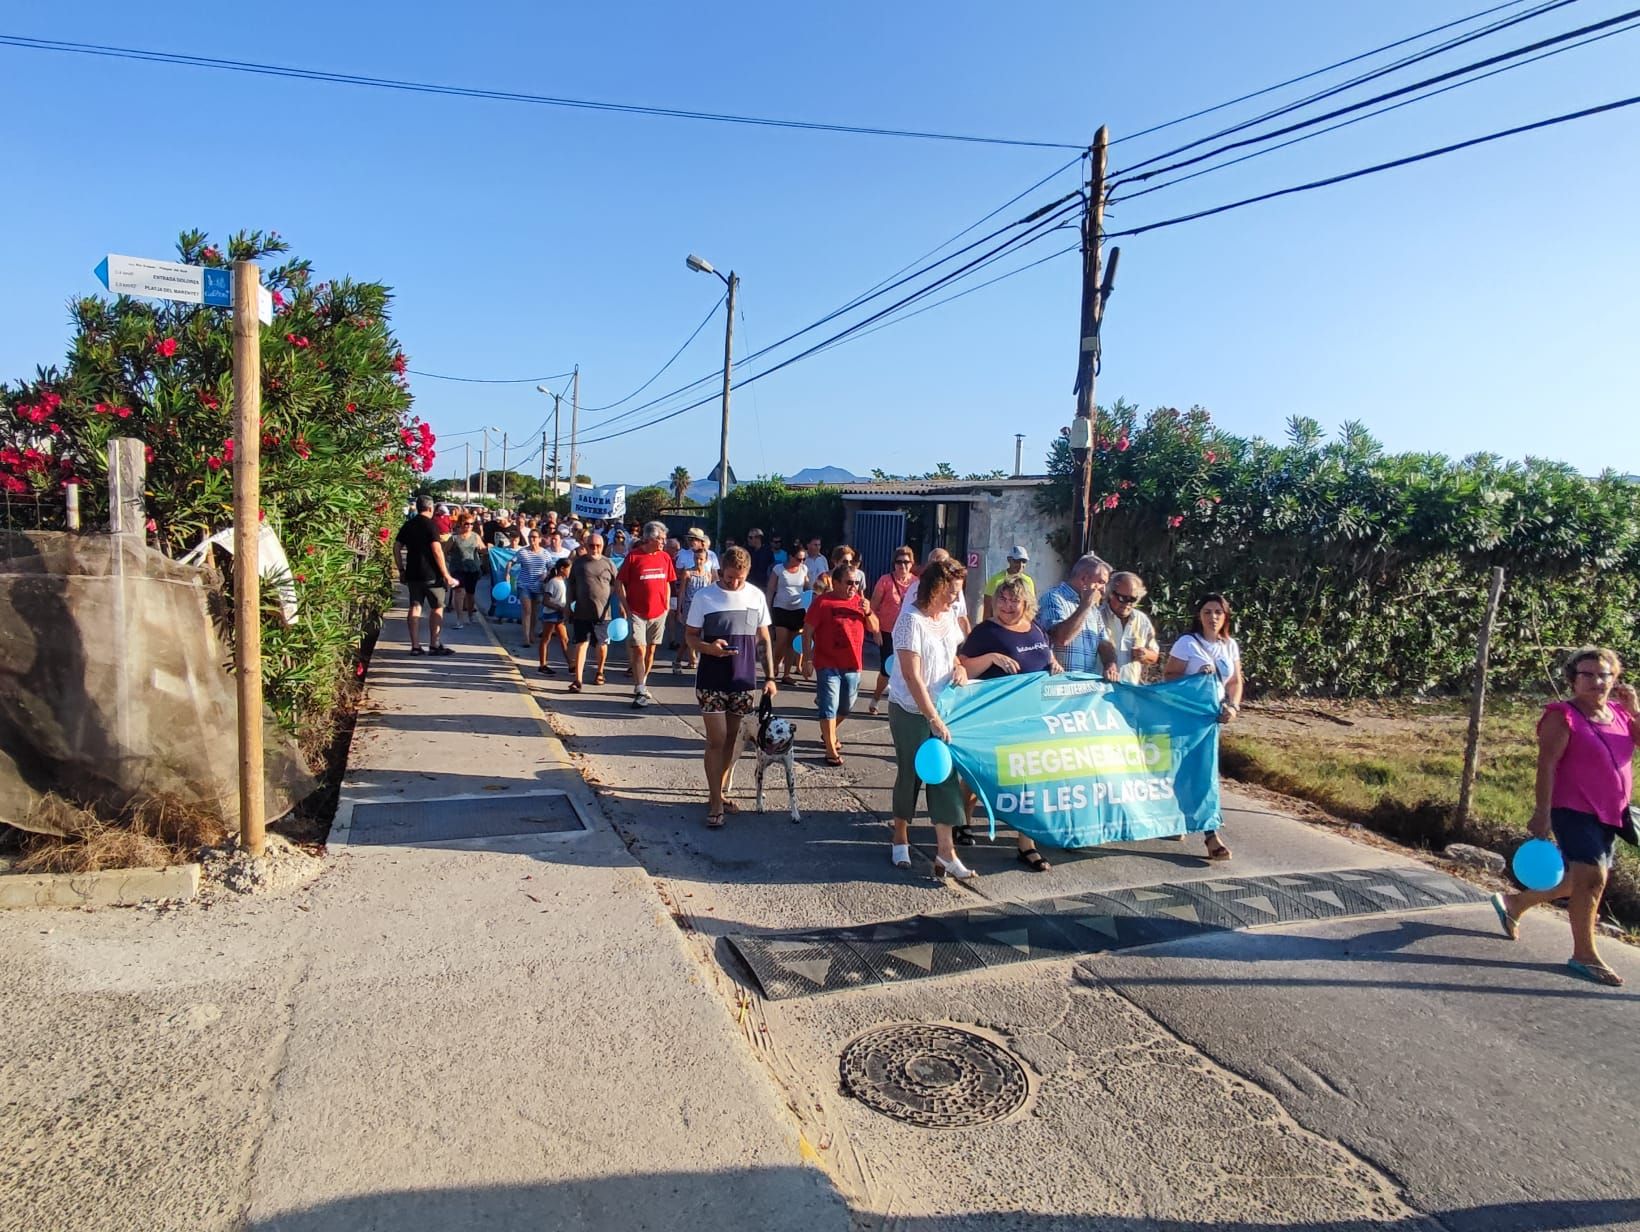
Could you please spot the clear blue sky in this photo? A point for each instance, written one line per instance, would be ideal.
(1483, 301)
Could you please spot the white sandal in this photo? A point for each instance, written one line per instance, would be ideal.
(899, 854)
(953, 868)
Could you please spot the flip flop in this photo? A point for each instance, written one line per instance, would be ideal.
(714, 821)
(729, 806)
(1595, 973)
(832, 759)
(1218, 851)
(1511, 926)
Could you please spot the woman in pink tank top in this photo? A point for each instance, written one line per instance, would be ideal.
(1585, 777)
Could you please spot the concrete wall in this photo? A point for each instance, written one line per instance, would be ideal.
(998, 520)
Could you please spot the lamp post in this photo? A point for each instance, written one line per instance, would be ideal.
(733, 283)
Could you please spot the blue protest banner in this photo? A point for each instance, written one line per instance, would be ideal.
(509, 608)
(1075, 761)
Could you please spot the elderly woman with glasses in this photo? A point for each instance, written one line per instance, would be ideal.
(1585, 780)
(836, 627)
(887, 598)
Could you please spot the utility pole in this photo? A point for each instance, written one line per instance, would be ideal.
(503, 470)
(723, 439)
(543, 461)
(1087, 368)
(574, 424)
(247, 532)
(556, 399)
(467, 473)
(484, 466)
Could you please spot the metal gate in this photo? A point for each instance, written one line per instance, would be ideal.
(876, 535)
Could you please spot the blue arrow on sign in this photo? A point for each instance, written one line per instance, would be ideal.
(219, 287)
(102, 273)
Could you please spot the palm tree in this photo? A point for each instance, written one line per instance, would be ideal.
(681, 480)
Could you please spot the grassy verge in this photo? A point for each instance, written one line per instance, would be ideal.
(1395, 767)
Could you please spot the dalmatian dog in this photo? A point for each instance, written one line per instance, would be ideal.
(776, 742)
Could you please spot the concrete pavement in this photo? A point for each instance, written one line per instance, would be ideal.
(1415, 1069)
(496, 1032)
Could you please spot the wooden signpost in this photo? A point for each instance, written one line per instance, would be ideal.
(241, 288)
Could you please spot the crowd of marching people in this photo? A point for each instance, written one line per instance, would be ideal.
(800, 612)
(757, 618)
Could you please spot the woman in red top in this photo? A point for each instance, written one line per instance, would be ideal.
(886, 600)
(1585, 780)
(836, 626)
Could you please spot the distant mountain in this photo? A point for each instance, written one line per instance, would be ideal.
(824, 474)
(703, 490)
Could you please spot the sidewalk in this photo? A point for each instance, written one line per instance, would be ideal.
(499, 1032)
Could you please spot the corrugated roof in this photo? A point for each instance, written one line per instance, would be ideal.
(937, 487)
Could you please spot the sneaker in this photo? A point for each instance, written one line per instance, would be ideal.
(441, 649)
(640, 700)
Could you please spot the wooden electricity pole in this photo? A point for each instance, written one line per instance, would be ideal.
(247, 531)
(1082, 431)
(1477, 703)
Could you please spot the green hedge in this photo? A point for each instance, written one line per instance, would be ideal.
(1354, 571)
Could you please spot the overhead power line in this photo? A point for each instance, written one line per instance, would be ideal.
(487, 380)
(1074, 200)
(1044, 227)
(1399, 162)
(1396, 93)
(1406, 102)
(505, 96)
(1395, 66)
(1318, 72)
(695, 333)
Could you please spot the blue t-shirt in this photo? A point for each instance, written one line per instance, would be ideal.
(1082, 654)
(1030, 649)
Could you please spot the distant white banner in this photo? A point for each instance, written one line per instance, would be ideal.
(608, 501)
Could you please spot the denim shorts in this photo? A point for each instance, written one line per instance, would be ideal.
(835, 692)
(1583, 837)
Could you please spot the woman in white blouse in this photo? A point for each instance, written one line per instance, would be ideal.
(1209, 648)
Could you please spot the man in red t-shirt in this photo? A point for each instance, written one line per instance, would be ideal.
(644, 585)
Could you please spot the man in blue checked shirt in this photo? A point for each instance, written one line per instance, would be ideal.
(1070, 614)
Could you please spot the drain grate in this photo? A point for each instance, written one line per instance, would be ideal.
(934, 1076)
(464, 817)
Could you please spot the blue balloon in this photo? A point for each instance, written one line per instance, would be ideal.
(888, 664)
(797, 643)
(1538, 865)
(619, 629)
(808, 598)
(934, 761)
(501, 592)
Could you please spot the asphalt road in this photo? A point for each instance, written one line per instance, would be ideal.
(1414, 1068)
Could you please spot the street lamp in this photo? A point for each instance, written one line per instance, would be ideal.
(701, 266)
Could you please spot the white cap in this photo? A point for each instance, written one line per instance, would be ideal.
(1018, 552)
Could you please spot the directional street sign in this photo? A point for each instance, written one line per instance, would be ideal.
(191, 284)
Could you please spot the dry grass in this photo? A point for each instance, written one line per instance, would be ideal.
(1395, 768)
(154, 832)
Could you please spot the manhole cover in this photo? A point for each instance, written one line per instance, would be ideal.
(933, 1076)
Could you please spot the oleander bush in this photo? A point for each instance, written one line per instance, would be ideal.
(1358, 572)
(340, 447)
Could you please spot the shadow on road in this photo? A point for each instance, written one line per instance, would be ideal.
(777, 1198)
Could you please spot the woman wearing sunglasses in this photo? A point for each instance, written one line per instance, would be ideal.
(887, 598)
(836, 627)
